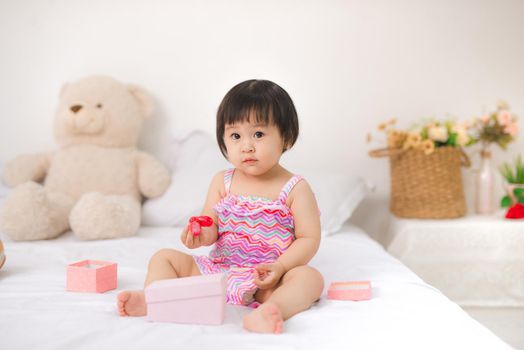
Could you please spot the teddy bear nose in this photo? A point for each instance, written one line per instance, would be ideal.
(75, 108)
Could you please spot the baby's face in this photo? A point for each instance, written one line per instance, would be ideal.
(253, 148)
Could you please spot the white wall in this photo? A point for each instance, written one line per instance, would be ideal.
(347, 64)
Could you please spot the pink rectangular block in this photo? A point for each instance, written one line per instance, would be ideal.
(198, 299)
(354, 290)
(93, 276)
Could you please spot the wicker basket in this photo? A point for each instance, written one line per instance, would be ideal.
(426, 186)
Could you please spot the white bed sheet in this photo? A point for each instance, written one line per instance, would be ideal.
(36, 312)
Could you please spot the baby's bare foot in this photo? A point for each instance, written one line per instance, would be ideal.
(132, 303)
(265, 319)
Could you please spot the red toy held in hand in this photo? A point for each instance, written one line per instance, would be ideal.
(197, 221)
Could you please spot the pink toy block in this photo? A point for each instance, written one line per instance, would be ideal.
(198, 299)
(92, 276)
(354, 290)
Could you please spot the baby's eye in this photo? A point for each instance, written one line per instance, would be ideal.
(235, 136)
(259, 134)
(99, 105)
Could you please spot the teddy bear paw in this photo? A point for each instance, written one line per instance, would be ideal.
(96, 216)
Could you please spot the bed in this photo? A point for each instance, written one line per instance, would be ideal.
(36, 311)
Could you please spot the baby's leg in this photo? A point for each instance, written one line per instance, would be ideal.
(299, 288)
(165, 264)
(170, 263)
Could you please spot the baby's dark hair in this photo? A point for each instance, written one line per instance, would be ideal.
(263, 100)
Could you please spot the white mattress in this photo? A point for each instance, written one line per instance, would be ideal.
(36, 312)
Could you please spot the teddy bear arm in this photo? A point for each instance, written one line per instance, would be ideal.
(153, 176)
(26, 167)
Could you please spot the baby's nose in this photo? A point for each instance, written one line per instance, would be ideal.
(248, 147)
(75, 108)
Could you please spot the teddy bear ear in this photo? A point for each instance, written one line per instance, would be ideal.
(145, 101)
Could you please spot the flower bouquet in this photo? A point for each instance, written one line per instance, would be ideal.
(426, 137)
(425, 161)
(499, 127)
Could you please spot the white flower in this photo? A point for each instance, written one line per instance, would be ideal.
(462, 138)
(438, 133)
(462, 135)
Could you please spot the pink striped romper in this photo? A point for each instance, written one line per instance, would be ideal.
(251, 230)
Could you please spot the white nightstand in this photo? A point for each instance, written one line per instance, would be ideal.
(475, 260)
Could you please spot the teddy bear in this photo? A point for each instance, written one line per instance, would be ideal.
(94, 183)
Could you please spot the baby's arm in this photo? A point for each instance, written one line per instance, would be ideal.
(307, 227)
(208, 235)
(307, 232)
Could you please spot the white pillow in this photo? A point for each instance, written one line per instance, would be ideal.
(196, 158)
(337, 194)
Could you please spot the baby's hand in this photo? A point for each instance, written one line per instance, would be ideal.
(191, 235)
(189, 239)
(268, 275)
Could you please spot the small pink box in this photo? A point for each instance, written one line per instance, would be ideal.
(354, 290)
(93, 276)
(198, 299)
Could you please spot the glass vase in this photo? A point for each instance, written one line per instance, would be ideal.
(485, 183)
